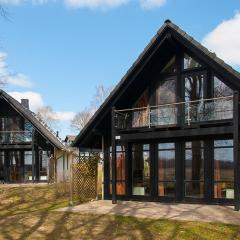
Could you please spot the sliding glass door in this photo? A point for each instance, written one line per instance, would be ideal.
(15, 166)
(194, 169)
(141, 170)
(166, 169)
(2, 166)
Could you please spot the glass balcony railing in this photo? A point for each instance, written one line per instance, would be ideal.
(13, 137)
(176, 114)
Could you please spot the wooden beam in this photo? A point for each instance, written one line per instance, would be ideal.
(236, 151)
(114, 172)
(198, 132)
(16, 147)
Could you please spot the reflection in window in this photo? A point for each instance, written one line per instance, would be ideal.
(166, 169)
(2, 163)
(141, 169)
(170, 67)
(189, 62)
(194, 87)
(194, 91)
(120, 169)
(221, 108)
(28, 165)
(43, 165)
(140, 117)
(221, 89)
(165, 93)
(194, 169)
(223, 169)
(15, 166)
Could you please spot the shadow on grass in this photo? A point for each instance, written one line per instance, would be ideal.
(26, 213)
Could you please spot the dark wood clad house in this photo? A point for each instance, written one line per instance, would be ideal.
(26, 143)
(170, 128)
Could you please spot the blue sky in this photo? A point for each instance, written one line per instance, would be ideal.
(61, 50)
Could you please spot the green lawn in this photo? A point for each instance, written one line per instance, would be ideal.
(28, 213)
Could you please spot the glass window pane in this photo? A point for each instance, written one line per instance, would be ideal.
(2, 163)
(166, 165)
(166, 91)
(166, 145)
(221, 89)
(166, 189)
(194, 159)
(140, 170)
(224, 190)
(194, 89)
(121, 166)
(28, 165)
(194, 189)
(223, 164)
(120, 188)
(120, 169)
(223, 143)
(189, 62)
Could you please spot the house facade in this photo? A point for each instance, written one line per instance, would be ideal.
(28, 147)
(170, 129)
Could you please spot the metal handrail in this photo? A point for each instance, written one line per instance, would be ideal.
(197, 110)
(171, 104)
(15, 132)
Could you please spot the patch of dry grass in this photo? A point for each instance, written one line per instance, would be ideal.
(25, 213)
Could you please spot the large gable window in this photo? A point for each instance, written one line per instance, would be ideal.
(165, 113)
(190, 63)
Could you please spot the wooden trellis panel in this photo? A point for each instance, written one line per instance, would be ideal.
(84, 177)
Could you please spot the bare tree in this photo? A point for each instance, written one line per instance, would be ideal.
(82, 118)
(47, 114)
(100, 95)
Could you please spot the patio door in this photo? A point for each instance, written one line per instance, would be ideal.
(194, 170)
(141, 170)
(15, 166)
(2, 166)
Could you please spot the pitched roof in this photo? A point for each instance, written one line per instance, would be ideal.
(167, 25)
(38, 123)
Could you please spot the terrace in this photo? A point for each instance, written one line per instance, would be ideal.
(187, 113)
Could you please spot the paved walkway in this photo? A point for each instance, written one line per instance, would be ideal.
(186, 212)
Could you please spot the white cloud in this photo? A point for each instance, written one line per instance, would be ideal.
(150, 4)
(35, 99)
(8, 77)
(36, 103)
(65, 116)
(18, 2)
(225, 40)
(93, 4)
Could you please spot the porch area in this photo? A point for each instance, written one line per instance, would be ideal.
(156, 210)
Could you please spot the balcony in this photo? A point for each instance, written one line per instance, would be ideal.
(176, 114)
(15, 137)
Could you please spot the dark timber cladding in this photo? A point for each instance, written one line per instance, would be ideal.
(171, 126)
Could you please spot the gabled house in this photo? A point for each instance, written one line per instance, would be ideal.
(170, 128)
(29, 149)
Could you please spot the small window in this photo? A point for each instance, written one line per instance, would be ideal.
(170, 67)
(221, 89)
(189, 62)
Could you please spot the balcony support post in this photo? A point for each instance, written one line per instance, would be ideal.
(236, 151)
(33, 155)
(114, 172)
